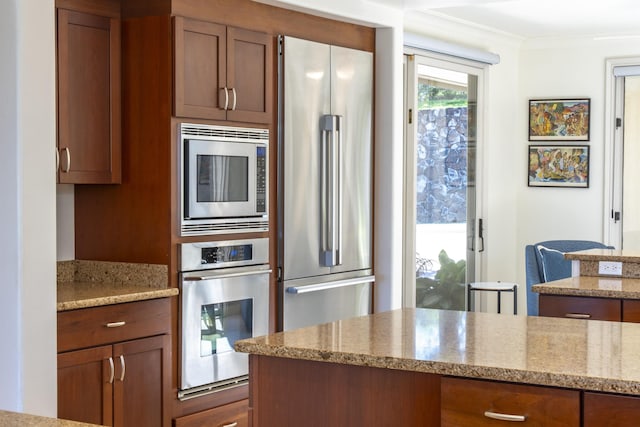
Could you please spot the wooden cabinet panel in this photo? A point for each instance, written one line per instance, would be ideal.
(607, 410)
(631, 311)
(142, 382)
(123, 384)
(88, 79)
(200, 50)
(581, 307)
(99, 325)
(85, 386)
(472, 403)
(234, 414)
(222, 73)
(289, 392)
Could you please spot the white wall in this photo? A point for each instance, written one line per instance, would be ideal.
(27, 215)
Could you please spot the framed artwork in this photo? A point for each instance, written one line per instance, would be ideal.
(558, 166)
(559, 119)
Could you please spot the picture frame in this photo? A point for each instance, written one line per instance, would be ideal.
(558, 166)
(559, 119)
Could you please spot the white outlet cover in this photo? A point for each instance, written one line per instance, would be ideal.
(610, 268)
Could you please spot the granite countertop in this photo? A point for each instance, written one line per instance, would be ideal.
(604, 255)
(590, 286)
(580, 354)
(83, 284)
(15, 419)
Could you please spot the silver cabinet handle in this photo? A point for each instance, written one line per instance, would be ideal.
(233, 90)
(234, 424)
(57, 159)
(578, 315)
(111, 370)
(68, 153)
(123, 366)
(505, 417)
(116, 324)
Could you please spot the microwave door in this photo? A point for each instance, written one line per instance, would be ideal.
(221, 179)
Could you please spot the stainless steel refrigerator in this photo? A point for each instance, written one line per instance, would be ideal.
(324, 183)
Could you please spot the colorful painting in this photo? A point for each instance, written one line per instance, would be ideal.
(559, 119)
(559, 166)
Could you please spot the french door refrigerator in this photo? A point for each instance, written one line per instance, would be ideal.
(324, 183)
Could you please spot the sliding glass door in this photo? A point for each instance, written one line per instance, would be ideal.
(440, 183)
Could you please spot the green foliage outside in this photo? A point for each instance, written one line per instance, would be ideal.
(439, 97)
(447, 289)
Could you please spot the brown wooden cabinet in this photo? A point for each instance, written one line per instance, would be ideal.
(234, 414)
(113, 383)
(221, 72)
(581, 307)
(470, 403)
(609, 410)
(88, 96)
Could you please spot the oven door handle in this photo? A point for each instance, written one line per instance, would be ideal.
(225, 275)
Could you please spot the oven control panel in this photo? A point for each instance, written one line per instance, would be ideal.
(230, 253)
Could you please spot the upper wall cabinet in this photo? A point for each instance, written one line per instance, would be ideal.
(88, 79)
(222, 73)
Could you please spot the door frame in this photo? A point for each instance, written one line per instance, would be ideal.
(613, 159)
(409, 212)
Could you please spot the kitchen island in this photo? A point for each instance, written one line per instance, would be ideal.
(404, 366)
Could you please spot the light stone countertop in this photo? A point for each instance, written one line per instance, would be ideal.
(15, 419)
(572, 353)
(83, 284)
(591, 286)
(604, 255)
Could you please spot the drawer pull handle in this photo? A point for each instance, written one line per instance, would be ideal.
(578, 315)
(231, 425)
(116, 324)
(505, 417)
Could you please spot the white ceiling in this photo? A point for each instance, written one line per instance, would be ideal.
(537, 18)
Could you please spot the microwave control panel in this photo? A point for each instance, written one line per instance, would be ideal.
(261, 179)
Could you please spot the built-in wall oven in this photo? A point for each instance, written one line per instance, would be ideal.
(223, 174)
(224, 298)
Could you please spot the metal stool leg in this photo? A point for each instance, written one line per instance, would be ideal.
(499, 292)
(468, 296)
(515, 299)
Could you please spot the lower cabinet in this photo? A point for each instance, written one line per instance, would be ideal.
(124, 378)
(581, 307)
(471, 403)
(232, 415)
(608, 410)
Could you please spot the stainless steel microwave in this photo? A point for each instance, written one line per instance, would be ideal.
(223, 179)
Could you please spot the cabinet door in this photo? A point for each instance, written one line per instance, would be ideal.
(631, 311)
(607, 410)
(200, 50)
(85, 383)
(142, 370)
(88, 54)
(249, 75)
(234, 414)
(581, 307)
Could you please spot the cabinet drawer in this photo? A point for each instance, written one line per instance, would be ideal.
(606, 410)
(631, 311)
(234, 414)
(89, 327)
(581, 307)
(472, 403)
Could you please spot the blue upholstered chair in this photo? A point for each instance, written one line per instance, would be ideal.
(545, 262)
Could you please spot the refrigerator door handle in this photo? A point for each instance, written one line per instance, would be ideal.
(330, 191)
(330, 285)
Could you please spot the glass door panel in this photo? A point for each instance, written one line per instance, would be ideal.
(445, 199)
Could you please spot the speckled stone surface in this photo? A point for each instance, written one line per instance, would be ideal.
(580, 354)
(604, 255)
(587, 286)
(14, 419)
(83, 284)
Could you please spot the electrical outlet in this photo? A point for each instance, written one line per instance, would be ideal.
(610, 268)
